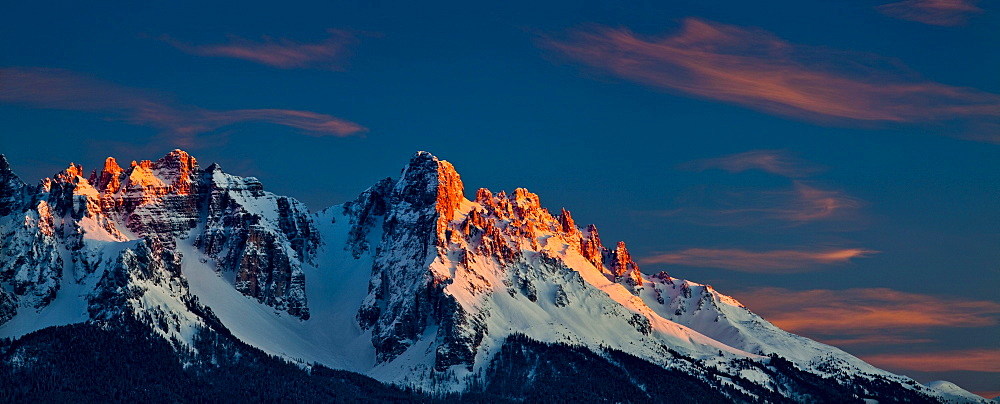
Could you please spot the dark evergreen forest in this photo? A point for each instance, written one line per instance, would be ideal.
(128, 363)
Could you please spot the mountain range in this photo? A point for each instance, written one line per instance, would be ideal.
(167, 281)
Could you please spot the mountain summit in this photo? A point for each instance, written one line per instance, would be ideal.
(410, 283)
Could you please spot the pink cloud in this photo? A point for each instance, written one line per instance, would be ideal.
(775, 261)
(875, 340)
(772, 161)
(281, 53)
(881, 317)
(865, 315)
(974, 360)
(62, 89)
(813, 204)
(757, 69)
(932, 12)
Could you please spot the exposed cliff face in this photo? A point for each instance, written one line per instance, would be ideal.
(591, 247)
(11, 189)
(151, 199)
(405, 295)
(257, 235)
(33, 263)
(365, 213)
(623, 268)
(37, 235)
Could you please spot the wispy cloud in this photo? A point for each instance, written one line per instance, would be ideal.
(933, 12)
(63, 89)
(865, 314)
(775, 261)
(282, 53)
(975, 360)
(876, 340)
(757, 69)
(880, 319)
(815, 204)
(772, 161)
(802, 204)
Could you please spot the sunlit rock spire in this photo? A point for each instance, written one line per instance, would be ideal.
(622, 267)
(591, 247)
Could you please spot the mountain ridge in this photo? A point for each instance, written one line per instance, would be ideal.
(410, 283)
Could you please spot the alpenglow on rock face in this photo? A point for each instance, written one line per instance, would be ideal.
(58, 230)
(410, 283)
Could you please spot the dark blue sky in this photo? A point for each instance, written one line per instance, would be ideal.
(834, 159)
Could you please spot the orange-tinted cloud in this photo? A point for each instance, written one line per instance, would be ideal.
(776, 261)
(865, 313)
(974, 360)
(933, 12)
(281, 53)
(62, 89)
(756, 69)
(882, 319)
(772, 161)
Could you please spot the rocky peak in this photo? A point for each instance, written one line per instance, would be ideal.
(566, 223)
(527, 206)
(141, 176)
(406, 290)
(68, 192)
(623, 267)
(497, 205)
(70, 173)
(450, 194)
(620, 258)
(525, 201)
(108, 181)
(568, 227)
(176, 168)
(363, 212)
(591, 247)
(483, 195)
(662, 277)
(427, 181)
(173, 173)
(177, 158)
(7, 177)
(144, 164)
(11, 188)
(261, 238)
(418, 183)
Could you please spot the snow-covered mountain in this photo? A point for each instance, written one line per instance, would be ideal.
(410, 283)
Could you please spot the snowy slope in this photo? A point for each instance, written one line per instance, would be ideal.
(952, 392)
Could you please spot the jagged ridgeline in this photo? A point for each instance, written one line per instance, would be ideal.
(410, 284)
